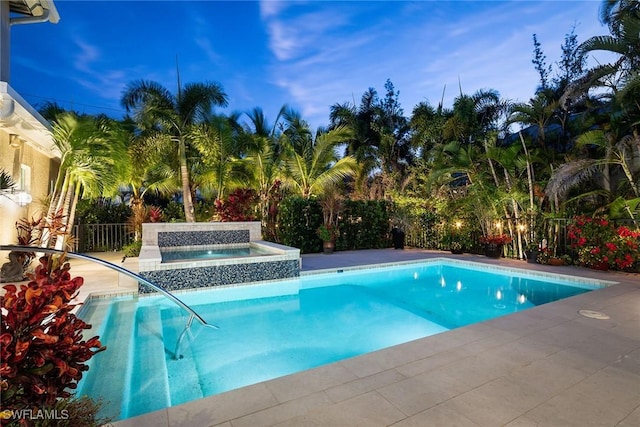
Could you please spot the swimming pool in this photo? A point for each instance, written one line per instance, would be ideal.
(277, 328)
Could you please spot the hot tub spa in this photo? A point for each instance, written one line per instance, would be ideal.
(195, 255)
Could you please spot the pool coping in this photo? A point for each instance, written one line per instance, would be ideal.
(473, 264)
(419, 382)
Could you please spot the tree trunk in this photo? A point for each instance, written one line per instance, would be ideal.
(73, 188)
(186, 188)
(72, 216)
(55, 207)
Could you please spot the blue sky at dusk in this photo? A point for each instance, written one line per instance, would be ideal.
(308, 54)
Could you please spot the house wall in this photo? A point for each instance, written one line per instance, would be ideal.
(19, 118)
(43, 170)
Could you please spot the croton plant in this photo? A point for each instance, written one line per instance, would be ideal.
(42, 344)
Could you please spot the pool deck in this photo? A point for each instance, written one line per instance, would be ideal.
(547, 366)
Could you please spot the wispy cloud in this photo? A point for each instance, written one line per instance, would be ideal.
(103, 82)
(208, 50)
(309, 54)
(325, 52)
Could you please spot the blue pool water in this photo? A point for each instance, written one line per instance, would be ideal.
(274, 329)
(210, 253)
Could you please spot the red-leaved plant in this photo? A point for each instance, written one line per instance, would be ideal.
(42, 345)
(239, 206)
(155, 214)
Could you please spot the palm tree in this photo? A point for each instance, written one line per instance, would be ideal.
(620, 152)
(380, 143)
(222, 166)
(90, 164)
(624, 42)
(538, 112)
(6, 181)
(157, 111)
(313, 166)
(265, 153)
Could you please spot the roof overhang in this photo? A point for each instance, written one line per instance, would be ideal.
(33, 11)
(19, 118)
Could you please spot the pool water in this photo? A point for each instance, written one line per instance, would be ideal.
(210, 253)
(274, 329)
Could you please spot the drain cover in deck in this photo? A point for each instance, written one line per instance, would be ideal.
(593, 314)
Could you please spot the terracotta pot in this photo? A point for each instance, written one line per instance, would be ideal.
(328, 247)
(556, 261)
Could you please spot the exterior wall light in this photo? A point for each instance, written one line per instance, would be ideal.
(15, 141)
(23, 198)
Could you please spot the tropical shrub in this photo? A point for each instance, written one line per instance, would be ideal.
(544, 255)
(132, 249)
(327, 232)
(102, 211)
(456, 237)
(173, 211)
(600, 243)
(497, 239)
(364, 224)
(237, 206)
(43, 348)
(298, 220)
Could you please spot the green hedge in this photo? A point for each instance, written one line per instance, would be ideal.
(298, 220)
(362, 224)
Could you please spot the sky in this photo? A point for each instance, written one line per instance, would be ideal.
(306, 54)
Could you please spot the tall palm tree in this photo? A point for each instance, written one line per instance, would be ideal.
(157, 111)
(90, 165)
(314, 167)
(222, 166)
(624, 42)
(538, 112)
(265, 153)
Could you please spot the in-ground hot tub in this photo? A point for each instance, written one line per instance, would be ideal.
(212, 254)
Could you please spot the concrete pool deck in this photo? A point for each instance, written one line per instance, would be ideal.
(546, 366)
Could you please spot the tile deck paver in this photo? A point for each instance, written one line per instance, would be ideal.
(547, 366)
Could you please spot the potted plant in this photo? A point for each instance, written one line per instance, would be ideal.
(547, 256)
(493, 244)
(531, 252)
(328, 233)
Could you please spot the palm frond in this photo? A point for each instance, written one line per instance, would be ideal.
(570, 175)
(6, 181)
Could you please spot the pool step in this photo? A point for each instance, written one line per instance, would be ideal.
(184, 381)
(149, 387)
(112, 361)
